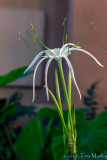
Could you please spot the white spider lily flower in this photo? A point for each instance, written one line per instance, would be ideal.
(57, 54)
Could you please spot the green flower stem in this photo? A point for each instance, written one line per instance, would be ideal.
(66, 95)
(60, 112)
(59, 99)
(58, 90)
(69, 97)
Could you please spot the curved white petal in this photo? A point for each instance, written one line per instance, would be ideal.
(72, 74)
(46, 72)
(86, 52)
(35, 75)
(67, 44)
(34, 61)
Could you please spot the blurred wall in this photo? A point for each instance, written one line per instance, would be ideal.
(85, 68)
(55, 12)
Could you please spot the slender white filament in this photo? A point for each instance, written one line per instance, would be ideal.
(72, 74)
(35, 75)
(86, 52)
(34, 61)
(46, 72)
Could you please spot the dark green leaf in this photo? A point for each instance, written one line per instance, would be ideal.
(47, 112)
(31, 141)
(57, 147)
(12, 76)
(23, 110)
(7, 111)
(2, 103)
(96, 138)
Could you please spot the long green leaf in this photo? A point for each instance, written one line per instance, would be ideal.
(96, 138)
(12, 76)
(65, 93)
(57, 89)
(73, 115)
(59, 110)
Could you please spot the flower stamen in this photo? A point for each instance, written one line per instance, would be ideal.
(35, 37)
(19, 35)
(32, 26)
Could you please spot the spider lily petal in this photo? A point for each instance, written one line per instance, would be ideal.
(34, 61)
(57, 54)
(35, 75)
(72, 74)
(46, 72)
(68, 44)
(86, 52)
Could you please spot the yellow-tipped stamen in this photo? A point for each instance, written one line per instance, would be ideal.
(19, 35)
(32, 26)
(64, 21)
(35, 37)
(66, 39)
(93, 25)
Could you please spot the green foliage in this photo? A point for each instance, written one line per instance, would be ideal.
(96, 137)
(10, 110)
(91, 136)
(46, 142)
(57, 147)
(57, 141)
(90, 100)
(31, 141)
(11, 76)
(47, 112)
(34, 142)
